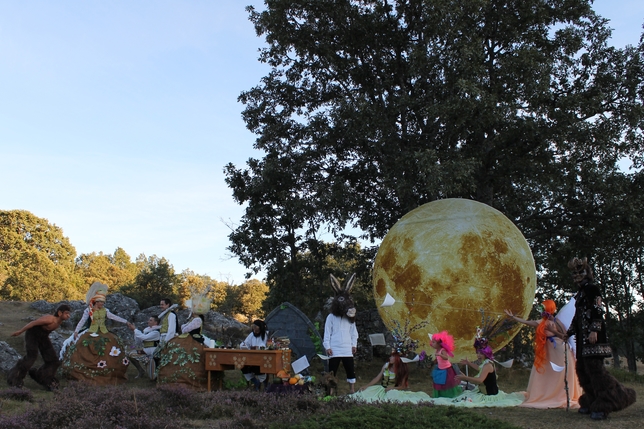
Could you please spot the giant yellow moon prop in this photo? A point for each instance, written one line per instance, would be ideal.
(446, 261)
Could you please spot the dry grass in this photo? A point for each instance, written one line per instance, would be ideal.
(14, 315)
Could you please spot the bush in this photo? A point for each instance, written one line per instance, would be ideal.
(17, 394)
(399, 416)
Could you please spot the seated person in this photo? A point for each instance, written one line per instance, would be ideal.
(149, 338)
(391, 384)
(146, 343)
(194, 328)
(256, 339)
(486, 372)
(487, 393)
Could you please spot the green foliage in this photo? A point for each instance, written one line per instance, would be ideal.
(626, 376)
(36, 260)
(394, 416)
(246, 299)
(115, 270)
(523, 106)
(156, 280)
(315, 338)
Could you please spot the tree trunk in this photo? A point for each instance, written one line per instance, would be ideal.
(617, 362)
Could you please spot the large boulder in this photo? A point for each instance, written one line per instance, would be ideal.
(217, 326)
(43, 306)
(57, 339)
(122, 305)
(8, 357)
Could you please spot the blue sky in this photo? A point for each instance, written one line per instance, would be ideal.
(117, 118)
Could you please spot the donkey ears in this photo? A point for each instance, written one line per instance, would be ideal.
(337, 287)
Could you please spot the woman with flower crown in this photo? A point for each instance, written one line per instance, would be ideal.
(547, 385)
(391, 384)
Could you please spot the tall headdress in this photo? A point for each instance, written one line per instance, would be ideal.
(199, 302)
(490, 328)
(403, 344)
(97, 292)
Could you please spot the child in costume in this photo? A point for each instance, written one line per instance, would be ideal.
(446, 385)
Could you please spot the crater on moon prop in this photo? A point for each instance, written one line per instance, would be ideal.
(446, 261)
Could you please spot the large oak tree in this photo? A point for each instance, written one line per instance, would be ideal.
(372, 108)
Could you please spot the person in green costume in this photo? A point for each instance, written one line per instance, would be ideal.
(96, 312)
(94, 354)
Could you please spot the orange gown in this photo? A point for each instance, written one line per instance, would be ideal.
(547, 389)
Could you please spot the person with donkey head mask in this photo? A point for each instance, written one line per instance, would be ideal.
(340, 332)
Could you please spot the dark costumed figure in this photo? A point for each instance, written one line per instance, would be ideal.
(602, 392)
(37, 339)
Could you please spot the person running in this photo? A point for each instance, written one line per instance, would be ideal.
(37, 339)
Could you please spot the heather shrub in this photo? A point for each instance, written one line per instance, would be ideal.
(397, 416)
(17, 394)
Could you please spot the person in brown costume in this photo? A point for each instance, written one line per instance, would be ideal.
(603, 394)
(37, 339)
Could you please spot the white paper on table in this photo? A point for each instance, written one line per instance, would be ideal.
(389, 301)
(323, 357)
(377, 339)
(300, 365)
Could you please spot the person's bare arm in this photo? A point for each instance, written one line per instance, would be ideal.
(516, 318)
(467, 362)
(375, 381)
(488, 368)
(42, 320)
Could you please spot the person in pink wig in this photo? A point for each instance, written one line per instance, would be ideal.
(446, 385)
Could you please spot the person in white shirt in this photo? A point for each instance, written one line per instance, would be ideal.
(256, 339)
(148, 338)
(340, 332)
(194, 328)
(168, 320)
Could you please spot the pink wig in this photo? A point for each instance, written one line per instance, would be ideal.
(446, 341)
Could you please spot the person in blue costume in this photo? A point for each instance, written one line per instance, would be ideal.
(487, 393)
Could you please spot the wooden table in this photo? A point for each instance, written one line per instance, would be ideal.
(269, 361)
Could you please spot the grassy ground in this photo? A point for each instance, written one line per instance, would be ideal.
(14, 315)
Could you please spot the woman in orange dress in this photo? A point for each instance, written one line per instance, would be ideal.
(546, 388)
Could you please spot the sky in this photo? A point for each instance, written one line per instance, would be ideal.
(118, 117)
